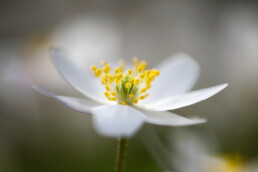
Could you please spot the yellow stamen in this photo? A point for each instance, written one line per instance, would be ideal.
(93, 67)
(106, 94)
(113, 98)
(113, 93)
(135, 101)
(120, 75)
(127, 85)
(136, 81)
(107, 88)
(99, 71)
(142, 75)
(142, 97)
(129, 71)
(117, 70)
(140, 69)
(106, 69)
(103, 62)
(131, 96)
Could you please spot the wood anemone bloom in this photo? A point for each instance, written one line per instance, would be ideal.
(122, 100)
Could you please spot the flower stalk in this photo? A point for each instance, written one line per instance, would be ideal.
(121, 153)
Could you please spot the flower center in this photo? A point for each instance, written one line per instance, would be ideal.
(227, 164)
(126, 87)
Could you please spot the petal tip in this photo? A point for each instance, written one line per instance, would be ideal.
(42, 90)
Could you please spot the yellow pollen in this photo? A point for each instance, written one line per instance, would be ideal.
(93, 67)
(107, 88)
(117, 81)
(148, 81)
(135, 101)
(120, 75)
(113, 93)
(127, 85)
(142, 97)
(103, 62)
(106, 69)
(117, 70)
(143, 90)
(140, 69)
(152, 77)
(136, 81)
(99, 71)
(131, 96)
(96, 74)
(142, 75)
(113, 98)
(148, 72)
(129, 71)
(106, 94)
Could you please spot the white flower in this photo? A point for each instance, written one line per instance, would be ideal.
(188, 152)
(121, 116)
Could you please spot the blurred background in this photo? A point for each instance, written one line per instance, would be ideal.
(38, 134)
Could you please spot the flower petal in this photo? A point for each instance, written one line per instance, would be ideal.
(81, 80)
(183, 100)
(178, 74)
(79, 105)
(117, 120)
(170, 119)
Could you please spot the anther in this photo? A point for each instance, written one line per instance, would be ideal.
(107, 88)
(127, 85)
(135, 101)
(117, 70)
(93, 67)
(131, 96)
(103, 62)
(113, 93)
(136, 81)
(129, 71)
(99, 71)
(143, 90)
(142, 97)
(113, 98)
(106, 94)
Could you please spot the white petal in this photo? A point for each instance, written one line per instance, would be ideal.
(80, 105)
(170, 119)
(81, 80)
(178, 74)
(117, 120)
(182, 100)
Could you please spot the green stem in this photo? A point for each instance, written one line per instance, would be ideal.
(120, 156)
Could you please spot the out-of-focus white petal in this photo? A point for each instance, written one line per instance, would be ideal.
(178, 74)
(80, 105)
(81, 80)
(117, 120)
(170, 119)
(182, 100)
